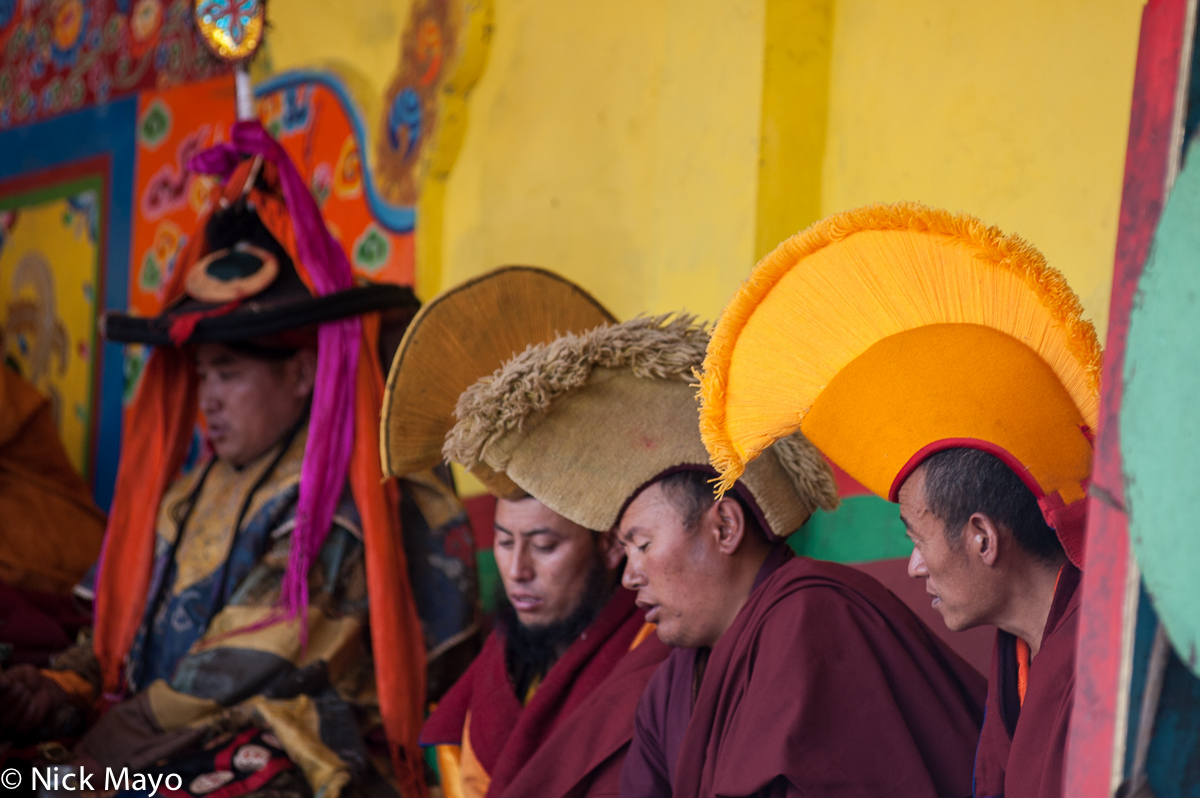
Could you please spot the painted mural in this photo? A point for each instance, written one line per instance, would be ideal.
(313, 124)
(51, 270)
(62, 55)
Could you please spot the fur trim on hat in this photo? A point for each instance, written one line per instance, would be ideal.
(661, 347)
(656, 347)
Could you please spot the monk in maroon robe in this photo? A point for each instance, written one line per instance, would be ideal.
(988, 557)
(547, 708)
(793, 677)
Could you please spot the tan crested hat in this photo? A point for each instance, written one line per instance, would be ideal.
(462, 334)
(584, 422)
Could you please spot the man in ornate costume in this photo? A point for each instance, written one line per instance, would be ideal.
(547, 707)
(946, 367)
(232, 602)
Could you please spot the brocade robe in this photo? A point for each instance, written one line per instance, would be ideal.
(212, 659)
(826, 684)
(570, 738)
(1023, 745)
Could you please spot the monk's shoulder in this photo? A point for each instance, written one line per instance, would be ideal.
(819, 593)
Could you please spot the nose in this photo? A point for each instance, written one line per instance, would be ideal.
(916, 565)
(206, 397)
(520, 566)
(632, 578)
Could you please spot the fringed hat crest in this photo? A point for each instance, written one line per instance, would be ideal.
(586, 421)
(893, 331)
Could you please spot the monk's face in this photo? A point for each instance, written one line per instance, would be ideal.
(960, 590)
(680, 573)
(544, 560)
(250, 404)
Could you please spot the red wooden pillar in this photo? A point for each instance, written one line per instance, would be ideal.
(1099, 682)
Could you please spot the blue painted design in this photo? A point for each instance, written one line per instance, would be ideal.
(87, 206)
(297, 108)
(405, 116)
(8, 8)
(108, 130)
(397, 218)
(69, 56)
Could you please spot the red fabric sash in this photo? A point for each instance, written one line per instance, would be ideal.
(505, 736)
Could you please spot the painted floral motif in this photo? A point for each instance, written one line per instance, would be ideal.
(154, 125)
(144, 24)
(371, 249)
(57, 56)
(413, 96)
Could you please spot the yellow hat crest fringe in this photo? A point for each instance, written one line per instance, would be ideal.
(1006, 252)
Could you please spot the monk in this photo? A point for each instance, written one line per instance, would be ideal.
(790, 677)
(564, 666)
(245, 583)
(987, 556)
(947, 367)
(602, 427)
(547, 708)
(51, 530)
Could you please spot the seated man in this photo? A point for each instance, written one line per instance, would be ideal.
(51, 530)
(602, 428)
(547, 708)
(982, 434)
(232, 602)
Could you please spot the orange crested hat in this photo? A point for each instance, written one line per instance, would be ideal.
(891, 332)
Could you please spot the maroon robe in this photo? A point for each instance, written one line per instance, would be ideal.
(826, 684)
(571, 739)
(1023, 746)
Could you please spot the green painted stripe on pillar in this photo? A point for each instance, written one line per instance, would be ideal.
(489, 579)
(863, 529)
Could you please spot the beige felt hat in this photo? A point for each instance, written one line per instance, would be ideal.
(460, 335)
(584, 422)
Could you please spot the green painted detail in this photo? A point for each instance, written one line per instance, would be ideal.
(1160, 428)
(371, 250)
(155, 125)
(489, 579)
(863, 529)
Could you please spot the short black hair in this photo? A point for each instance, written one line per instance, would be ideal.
(961, 482)
(692, 493)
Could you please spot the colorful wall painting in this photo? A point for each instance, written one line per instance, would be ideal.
(70, 178)
(319, 129)
(58, 56)
(51, 266)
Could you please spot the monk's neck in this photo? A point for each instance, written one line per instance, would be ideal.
(1030, 597)
(739, 584)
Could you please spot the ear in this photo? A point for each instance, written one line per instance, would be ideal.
(983, 539)
(729, 525)
(305, 365)
(610, 550)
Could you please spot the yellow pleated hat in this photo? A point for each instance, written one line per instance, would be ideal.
(462, 334)
(891, 332)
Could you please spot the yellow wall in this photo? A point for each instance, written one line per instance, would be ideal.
(1014, 111)
(653, 149)
(616, 143)
(360, 40)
